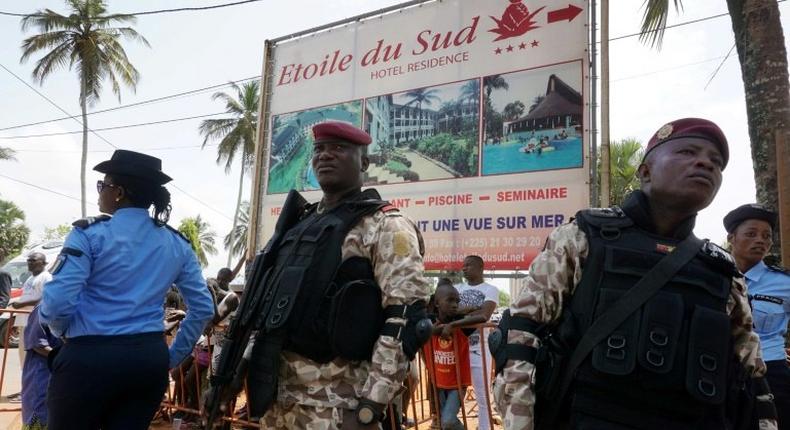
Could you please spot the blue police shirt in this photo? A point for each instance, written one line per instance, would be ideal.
(114, 277)
(769, 291)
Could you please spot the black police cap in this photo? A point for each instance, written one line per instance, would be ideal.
(749, 211)
(136, 165)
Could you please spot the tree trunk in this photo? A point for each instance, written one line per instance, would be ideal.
(763, 58)
(236, 213)
(84, 159)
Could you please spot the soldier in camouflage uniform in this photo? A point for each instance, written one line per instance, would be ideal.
(339, 392)
(626, 382)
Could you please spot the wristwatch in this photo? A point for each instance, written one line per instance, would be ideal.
(369, 411)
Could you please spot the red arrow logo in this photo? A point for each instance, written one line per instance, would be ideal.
(568, 13)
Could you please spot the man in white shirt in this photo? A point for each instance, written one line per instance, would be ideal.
(32, 289)
(478, 298)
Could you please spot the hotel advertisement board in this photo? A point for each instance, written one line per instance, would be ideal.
(477, 110)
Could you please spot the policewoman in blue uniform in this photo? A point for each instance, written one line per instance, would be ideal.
(750, 232)
(106, 300)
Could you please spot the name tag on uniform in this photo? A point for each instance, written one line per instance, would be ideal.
(765, 298)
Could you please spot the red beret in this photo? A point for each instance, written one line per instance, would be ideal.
(337, 130)
(691, 127)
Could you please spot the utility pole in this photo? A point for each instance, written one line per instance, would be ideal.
(605, 155)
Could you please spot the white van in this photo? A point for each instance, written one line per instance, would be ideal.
(17, 268)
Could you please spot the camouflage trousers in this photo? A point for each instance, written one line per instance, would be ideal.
(296, 416)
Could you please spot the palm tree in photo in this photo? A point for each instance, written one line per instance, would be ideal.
(470, 91)
(759, 40)
(421, 96)
(88, 41)
(236, 134)
(494, 82)
(513, 110)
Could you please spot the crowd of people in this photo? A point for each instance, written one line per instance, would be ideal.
(626, 319)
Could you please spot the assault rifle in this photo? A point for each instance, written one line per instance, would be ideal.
(228, 379)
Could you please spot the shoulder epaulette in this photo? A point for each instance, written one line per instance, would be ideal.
(720, 255)
(86, 222)
(178, 233)
(780, 269)
(612, 212)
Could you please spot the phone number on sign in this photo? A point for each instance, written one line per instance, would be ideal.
(486, 242)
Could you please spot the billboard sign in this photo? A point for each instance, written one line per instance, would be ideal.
(477, 110)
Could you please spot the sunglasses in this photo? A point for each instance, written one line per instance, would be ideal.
(101, 185)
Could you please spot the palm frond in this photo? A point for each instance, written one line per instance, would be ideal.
(654, 21)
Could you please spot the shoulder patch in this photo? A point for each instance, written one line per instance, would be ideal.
(389, 208)
(89, 221)
(178, 233)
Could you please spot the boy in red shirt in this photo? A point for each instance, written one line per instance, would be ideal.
(448, 353)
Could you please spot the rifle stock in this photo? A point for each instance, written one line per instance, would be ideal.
(228, 378)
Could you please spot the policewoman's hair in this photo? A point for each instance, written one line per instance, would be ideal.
(142, 194)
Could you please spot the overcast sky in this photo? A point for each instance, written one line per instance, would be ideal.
(191, 50)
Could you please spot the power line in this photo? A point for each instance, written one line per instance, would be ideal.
(200, 201)
(680, 66)
(54, 104)
(41, 188)
(160, 148)
(159, 11)
(142, 102)
(117, 127)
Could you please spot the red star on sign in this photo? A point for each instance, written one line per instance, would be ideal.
(509, 48)
(522, 46)
(534, 43)
(497, 51)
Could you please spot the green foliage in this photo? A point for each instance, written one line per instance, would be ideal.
(59, 232)
(396, 167)
(236, 134)
(504, 298)
(624, 158)
(451, 151)
(200, 237)
(240, 233)
(13, 231)
(654, 21)
(85, 40)
(513, 110)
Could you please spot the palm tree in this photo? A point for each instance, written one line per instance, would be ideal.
(236, 134)
(761, 51)
(470, 91)
(420, 96)
(13, 231)
(239, 234)
(494, 82)
(85, 40)
(626, 154)
(200, 236)
(513, 110)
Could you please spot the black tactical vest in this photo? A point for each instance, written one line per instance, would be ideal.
(666, 366)
(309, 273)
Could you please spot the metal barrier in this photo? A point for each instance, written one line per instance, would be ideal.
(422, 406)
(6, 335)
